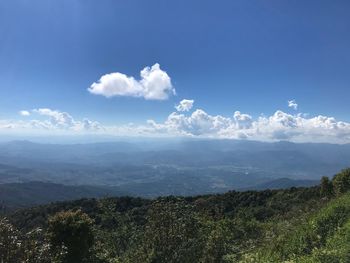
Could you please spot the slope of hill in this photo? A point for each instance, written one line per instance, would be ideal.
(28, 194)
(19, 195)
(283, 183)
(323, 237)
(291, 225)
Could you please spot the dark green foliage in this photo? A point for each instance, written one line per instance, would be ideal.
(70, 236)
(16, 247)
(21, 195)
(326, 187)
(35, 247)
(9, 242)
(341, 182)
(171, 234)
(306, 225)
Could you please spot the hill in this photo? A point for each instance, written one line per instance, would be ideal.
(283, 183)
(308, 224)
(20, 195)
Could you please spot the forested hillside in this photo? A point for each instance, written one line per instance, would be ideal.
(20, 195)
(292, 225)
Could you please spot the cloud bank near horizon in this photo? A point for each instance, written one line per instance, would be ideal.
(197, 123)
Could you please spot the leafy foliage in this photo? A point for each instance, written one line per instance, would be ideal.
(341, 181)
(70, 236)
(292, 225)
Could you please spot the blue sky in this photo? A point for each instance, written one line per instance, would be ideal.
(227, 56)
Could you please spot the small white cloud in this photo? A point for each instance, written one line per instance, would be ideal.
(155, 84)
(91, 125)
(57, 118)
(293, 104)
(184, 105)
(24, 113)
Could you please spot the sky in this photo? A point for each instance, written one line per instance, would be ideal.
(261, 70)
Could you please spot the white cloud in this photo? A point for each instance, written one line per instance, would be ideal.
(91, 125)
(278, 126)
(243, 121)
(184, 105)
(199, 123)
(155, 84)
(57, 119)
(24, 113)
(293, 104)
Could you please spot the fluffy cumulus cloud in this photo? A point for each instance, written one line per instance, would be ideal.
(293, 104)
(197, 124)
(154, 84)
(184, 105)
(279, 126)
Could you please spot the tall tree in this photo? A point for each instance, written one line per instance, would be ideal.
(171, 233)
(71, 236)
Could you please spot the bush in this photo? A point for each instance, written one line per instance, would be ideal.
(341, 182)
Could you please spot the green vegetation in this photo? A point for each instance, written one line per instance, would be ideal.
(71, 237)
(306, 225)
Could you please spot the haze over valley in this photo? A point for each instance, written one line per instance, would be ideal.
(151, 167)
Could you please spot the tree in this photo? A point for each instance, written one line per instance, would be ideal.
(71, 237)
(326, 187)
(341, 181)
(171, 234)
(218, 241)
(10, 243)
(35, 247)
